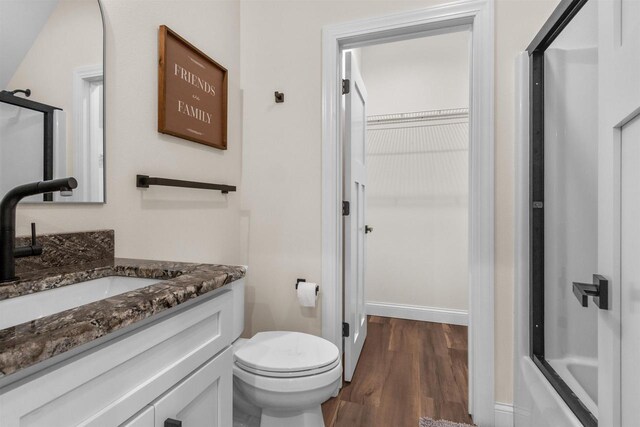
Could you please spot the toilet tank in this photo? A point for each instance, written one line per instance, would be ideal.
(237, 288)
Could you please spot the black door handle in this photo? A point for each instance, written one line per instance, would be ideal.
(170, 422)
(599, 290)
(367, 229)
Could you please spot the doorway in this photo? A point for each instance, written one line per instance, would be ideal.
(437, 20)
(418, 174)
(405, 183)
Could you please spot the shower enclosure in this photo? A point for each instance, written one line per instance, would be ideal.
(564, 192)
(563, 218)
(577, 208)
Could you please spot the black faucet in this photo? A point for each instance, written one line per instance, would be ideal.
(8, 250)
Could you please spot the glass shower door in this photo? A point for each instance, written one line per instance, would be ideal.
(564, 210)
(570, 201)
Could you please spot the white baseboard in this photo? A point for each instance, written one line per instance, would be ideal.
(414, 312)
(504, 415)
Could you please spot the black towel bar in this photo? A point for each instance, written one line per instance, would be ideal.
(144, 181)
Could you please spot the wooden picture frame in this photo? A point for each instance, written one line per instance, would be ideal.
(192, 92)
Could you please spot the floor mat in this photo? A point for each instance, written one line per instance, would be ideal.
(429, 422)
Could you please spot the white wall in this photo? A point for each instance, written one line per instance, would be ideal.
(417, 256)
(20, 24)
(281, 201)
(160, 222)
(280, 189)
(428, 73)
(418, 173)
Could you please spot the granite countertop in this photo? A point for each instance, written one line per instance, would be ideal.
(35, 341)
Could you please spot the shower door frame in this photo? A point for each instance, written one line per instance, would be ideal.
(558, 21)
(47, 117)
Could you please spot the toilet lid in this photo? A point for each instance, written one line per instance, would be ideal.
(278, 352)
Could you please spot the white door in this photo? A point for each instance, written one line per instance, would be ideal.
(355, 184)
(619, 211)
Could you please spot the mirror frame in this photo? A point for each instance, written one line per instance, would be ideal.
(104, 111)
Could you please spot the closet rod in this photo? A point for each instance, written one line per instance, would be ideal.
(414, 116)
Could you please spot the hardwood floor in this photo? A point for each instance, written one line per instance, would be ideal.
(407, 370)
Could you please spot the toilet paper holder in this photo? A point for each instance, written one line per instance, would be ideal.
(304, 280)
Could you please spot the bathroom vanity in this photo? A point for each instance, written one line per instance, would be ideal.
(125, 351)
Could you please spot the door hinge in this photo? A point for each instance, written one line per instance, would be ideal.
(346, 86)
(346, 208)
(345, 329)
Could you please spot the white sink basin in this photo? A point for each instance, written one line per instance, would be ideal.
(17, 310)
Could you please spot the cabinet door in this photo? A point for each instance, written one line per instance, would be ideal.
(143, 419)
(203, 399)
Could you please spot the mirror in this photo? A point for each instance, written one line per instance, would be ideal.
(52, 97)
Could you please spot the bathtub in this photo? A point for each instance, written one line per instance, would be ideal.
(581, 375)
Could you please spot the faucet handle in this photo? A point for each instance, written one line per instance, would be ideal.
(33, 234)
(36, 249)
(32, 250)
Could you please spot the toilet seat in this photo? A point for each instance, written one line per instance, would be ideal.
(279, 354)
(291, 374)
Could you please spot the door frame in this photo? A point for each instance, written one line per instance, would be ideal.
(479, 16)
(83, 77)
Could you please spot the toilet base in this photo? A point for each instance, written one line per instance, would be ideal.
(245, 420)
(245, 414)
(309, 418)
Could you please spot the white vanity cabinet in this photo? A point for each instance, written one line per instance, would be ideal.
(177, 366)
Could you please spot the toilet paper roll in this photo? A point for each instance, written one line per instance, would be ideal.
(307, 294)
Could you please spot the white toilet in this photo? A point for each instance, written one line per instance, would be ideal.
(280, 379)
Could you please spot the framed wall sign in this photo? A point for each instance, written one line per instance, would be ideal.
(192, 92)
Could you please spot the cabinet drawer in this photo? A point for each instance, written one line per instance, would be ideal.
(203, 399)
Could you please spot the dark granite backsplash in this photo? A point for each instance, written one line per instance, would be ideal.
(61, 250)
